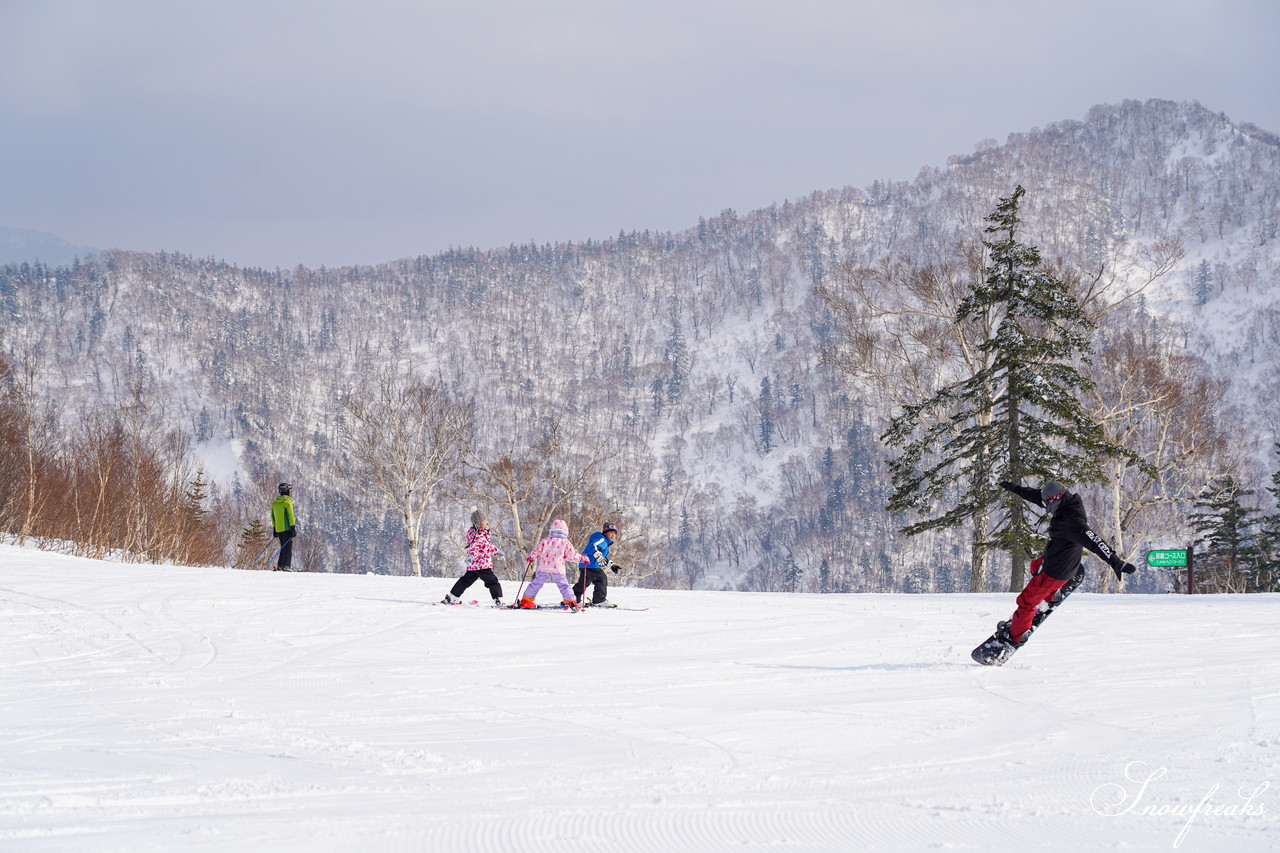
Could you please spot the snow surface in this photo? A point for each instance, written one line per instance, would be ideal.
(160, 708)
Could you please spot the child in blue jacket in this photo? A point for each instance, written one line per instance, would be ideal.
(592, 572)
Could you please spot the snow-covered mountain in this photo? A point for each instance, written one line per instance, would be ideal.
(691, 357)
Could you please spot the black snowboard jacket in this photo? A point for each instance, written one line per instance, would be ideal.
(1069, 535)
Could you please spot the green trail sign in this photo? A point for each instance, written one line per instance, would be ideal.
(1167, 559)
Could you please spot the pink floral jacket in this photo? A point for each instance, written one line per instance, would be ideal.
(480, 551)
(550, 554)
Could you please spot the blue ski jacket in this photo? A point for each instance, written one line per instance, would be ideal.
(597, 551)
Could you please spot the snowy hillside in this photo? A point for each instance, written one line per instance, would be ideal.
(689, 361)
(150, 708)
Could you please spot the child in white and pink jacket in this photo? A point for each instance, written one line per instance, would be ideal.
(548, 556)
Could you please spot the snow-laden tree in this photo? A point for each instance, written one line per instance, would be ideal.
(401, 438)
(1269, 537)
(1226, 538)
(1268, 547)
(1020, 416)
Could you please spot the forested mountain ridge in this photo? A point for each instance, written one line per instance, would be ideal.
(689, 362)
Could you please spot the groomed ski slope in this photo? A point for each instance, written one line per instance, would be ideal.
(149, 708)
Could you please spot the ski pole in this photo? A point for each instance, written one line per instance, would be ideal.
(263, 551)
(521, 588)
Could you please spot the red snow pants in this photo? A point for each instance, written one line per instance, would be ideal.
(1037, 590)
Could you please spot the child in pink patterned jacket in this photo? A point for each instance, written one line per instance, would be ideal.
(549, 556)
(480, 554)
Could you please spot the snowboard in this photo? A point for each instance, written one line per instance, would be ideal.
(996, 650)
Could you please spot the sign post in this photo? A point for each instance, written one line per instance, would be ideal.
(1176, 558)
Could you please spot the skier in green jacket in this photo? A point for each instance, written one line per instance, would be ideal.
(285, 526)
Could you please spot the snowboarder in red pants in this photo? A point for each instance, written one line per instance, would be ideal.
(1069, 535)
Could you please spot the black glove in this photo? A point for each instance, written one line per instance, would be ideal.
(616, 568)
(1123, 569)
(1008, 487)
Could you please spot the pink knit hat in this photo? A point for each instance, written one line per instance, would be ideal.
(559, 528)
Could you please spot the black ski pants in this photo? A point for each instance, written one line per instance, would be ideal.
(286, 549)
(471, 576)
(599, 581)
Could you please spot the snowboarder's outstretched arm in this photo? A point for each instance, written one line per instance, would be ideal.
(1027, 493)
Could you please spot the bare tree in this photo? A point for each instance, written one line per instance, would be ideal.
(1162, 403)
(402, 437)
(902, 338)
(536, 483)
(31, 429)
(1125, 279)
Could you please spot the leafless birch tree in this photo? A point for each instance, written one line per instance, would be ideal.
(1164, 404)
(402, 436)
(900, 336)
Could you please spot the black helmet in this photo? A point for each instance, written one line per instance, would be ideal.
(284, 488)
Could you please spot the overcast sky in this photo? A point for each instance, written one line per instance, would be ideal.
(319, 132)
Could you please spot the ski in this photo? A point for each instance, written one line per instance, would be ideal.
(475, 603)
(996, 649)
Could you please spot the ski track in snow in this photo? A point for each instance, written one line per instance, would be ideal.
(156, 708)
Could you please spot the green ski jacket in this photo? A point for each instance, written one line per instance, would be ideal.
(282, 517)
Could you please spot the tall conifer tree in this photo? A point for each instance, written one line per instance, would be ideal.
(1269, 539)
(1019, 417)
(1227, 550)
